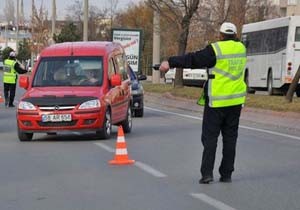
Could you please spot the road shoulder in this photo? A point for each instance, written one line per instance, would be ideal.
(284, 120)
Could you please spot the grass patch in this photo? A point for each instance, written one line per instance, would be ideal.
(276, 103)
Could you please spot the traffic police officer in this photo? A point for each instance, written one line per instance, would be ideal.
(11, 69)
(224, 95)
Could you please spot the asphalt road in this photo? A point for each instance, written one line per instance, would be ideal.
(71, 171)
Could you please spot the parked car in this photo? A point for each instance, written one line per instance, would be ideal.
(191, 77)
(194, 77)
(170, 76)
(79, 86)
(137, 93)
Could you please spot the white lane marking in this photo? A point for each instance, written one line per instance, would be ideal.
(138, 164)
(149, 169)
(174, 113)
(105, 147)
(241, 126)
(211, 201)
(271, 132)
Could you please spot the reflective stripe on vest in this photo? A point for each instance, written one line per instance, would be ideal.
(9, 76)
(228, 87)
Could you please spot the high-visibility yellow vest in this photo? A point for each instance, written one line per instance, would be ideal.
(10, 74)
(227, 88)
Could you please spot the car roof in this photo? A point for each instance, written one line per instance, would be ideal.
(90, 48)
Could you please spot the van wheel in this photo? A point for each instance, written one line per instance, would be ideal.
(23, 136)
(127, 123)
(105, 132)
(270, 84)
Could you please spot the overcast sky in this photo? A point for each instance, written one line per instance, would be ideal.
(61, 5)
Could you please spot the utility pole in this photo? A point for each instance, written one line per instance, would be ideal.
(22, 21)
(156, 46)
(6, 34)
(85, 20)
(32, 32)
(17, 29)
(53, 19)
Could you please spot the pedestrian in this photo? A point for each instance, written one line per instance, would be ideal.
(223, 98)
(11, 69)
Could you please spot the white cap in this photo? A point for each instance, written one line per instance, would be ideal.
(228, 28)
(12, 54)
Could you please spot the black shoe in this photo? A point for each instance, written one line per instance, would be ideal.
(6, 103)
(225, 179)
(206, 180)
(11, 105)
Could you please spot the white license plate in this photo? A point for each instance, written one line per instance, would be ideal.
(56, 117)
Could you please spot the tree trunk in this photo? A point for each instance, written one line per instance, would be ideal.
(293, 86)
(181, 50)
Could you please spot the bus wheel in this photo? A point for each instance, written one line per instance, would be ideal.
(270, 84)
(249, 89)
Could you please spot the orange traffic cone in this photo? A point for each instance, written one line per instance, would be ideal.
(1, 98)
(121, 156)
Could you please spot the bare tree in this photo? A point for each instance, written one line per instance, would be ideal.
(259, 10)
(97, 22)
(9, 11)
(40, 29)
(179, 13)
(75, 11)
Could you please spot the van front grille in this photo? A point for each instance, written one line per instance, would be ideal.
(57, 124)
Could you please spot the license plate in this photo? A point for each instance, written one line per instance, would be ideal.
(56, 117)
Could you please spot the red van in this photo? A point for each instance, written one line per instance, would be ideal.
(76, 86)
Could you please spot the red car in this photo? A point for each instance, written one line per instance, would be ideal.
(76, 86)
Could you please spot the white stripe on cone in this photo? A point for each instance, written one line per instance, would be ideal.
(121, 139)
(121, 152)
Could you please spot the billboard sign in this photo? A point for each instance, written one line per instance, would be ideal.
(131, 40)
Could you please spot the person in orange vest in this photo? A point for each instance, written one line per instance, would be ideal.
(11, 69)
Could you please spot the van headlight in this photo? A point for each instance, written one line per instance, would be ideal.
(90, 104)
(24, 105)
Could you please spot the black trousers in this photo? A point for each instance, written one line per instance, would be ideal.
(223, 120)
(9, 93)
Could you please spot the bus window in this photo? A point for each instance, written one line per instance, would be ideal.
(297, 34)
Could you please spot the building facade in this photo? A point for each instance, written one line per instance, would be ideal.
(288, 7)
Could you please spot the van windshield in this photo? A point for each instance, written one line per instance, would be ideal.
(69, 71)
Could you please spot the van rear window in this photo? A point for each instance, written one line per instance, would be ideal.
(69, 71)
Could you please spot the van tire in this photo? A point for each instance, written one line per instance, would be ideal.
(127, 123)
(23, 136)
(105, 132)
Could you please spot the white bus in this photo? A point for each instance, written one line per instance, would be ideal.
(273, 54)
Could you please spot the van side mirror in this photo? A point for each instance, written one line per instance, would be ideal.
(115, 80)
(24, 82)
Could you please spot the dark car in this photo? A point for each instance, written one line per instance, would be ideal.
(137, 93)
